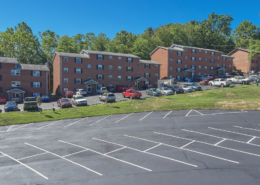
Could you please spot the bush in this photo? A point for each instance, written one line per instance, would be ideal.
(39, 100)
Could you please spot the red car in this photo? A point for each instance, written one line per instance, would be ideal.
(129, 87)
(69, 94)
(131, 93)
(64, 102)
(121, 88)
(2, 100)
(206, 81)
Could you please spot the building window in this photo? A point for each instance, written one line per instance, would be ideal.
(146, 74)
(15, 72)
(199, 59)
(170, 68)
(212, 53)
(252, 68)
(205, 67)
(224, 65)
(171, 51)
(78, 81)
(138, 74)
(229, 58)
(179, 53)
(218, 57)
(199, 67)
(36, 84)
(66, 70)
(100, 67)
(218, 65)
(110, 76)
(100, 77)
(129, 78)
(256, 61)
(200, 51)
(110, 57)
(138, 65)
(129, 69)
(186, 57)
(212, 61)
(36, 73)
(78, 71)
(119, 77)
(129, 60)
(170, 60)
(66, 80)
(206, 60)
(170, 76)
(66, 59)
(89, 66)
(100, 85)
(146, 65)
(252, 61)
(16, 84)
(178, 69)
(178, 77)
(18, 66)
(110, 67)
(193, 66)
(193, 51)
(186, 66)
(65, 89)
(193, 58)
(156, 75)
(178, 61)
(119, 58)
(186, 49)
(199, 74)
(156, 66)
(224, 58)
(89, 75)
(229, 66)
(1, 89)
(100, 57)
(36, 94)
(119, 67)
(206, 52)
(211, 68)
(78, 60)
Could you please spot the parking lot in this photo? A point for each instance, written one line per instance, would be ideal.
(169, 147)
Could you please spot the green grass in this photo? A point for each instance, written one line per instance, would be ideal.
(245, 97)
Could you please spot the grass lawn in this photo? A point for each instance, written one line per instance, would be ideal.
(244, 97)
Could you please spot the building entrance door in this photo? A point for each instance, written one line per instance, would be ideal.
(89, 88)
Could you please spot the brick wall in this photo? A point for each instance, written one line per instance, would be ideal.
(241, 61)
(56, 74)
(161, 56)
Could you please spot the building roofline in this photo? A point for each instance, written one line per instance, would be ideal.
(166, 48)
(196, 48)
(107, 53)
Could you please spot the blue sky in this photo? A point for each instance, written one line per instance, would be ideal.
(66, 17)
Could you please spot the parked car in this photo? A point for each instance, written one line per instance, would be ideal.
(131, 93)
(64, 102)
(10, 106)
(196, 86)
(121, 88)
(186, 88)
(111, 89)
(239, 80)
(188, 80)
(222, 76)
(220, 82)
(2, 100)
(129, 87)
(176, 89)
(107, 97)
(237, 73)
(207, 76)
(78, 100)
(198, 78)
(45, 99)
(166, 91)
(27, 99)
(153, 92)
(252, 78)
(30, 105)
(206, 81)
(69, 94)
(81, 92)
(193, 87)
(101, 90)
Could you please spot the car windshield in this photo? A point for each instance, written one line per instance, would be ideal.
(195, 84)
(103, 88)
(187, 85)
(153, 89)
(122, 86)
(166, 89)
(79, 97)
(64, 100)
(110, 95)
(176, 86)
(10, 103)
(30, 99)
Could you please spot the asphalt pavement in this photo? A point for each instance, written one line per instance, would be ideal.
(169, 147)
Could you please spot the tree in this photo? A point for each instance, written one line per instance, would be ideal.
(66, 44)
(100, 43)
(254, 46)
(49, 41)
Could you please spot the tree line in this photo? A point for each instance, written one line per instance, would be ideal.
(213, 33)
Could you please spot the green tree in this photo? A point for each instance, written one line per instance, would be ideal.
(66, 44)
(254, 46)
(49, 41)
(100, 43)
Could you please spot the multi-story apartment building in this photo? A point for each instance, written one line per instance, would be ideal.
(21, 80)
(187, 62)
(91, 70)
(241, 61)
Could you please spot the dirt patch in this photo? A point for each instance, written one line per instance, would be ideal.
(231, 95)
(194, 95)
(240, 105)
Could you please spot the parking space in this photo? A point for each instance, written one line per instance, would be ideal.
(168, 145)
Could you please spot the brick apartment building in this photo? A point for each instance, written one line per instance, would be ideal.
(241, 61)
(188, 62)
(91, 70)
(22, 80)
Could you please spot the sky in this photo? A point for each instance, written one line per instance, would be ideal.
(66, 17)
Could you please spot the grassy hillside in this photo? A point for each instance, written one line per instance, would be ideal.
(246, 97)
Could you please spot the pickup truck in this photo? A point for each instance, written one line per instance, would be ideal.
(130, 93)
(220, 82)
(239, 80)
(121, 88)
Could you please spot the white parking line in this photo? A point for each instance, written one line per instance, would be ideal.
(146, 152)
(47, 125)
(220, 142)
(10, 128)
(251, 140)
(198, 112)
(247, 128)
(187, 144)
(146, 116)
(233, 132)
(100, 120)
(75, 122)
(25, 165)
(20, 127)
(123, 118)
(107, 156)
(115, 150)
(65, 159)
(186, 148)
(188, 113)
(3, 156)
(31, 156)
(167, 114)
(221, 137)
(75, 153)
(152, 147)
(221, 113)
